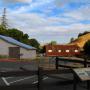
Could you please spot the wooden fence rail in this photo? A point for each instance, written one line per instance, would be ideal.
(85, 62)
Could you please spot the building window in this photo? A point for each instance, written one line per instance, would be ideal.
(67, 51)
(59, 50)
(49, 50)
(76, 50)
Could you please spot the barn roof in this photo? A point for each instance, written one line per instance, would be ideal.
(15, 42)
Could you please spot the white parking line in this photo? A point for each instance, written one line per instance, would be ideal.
(9, 77)
(5, 81)
(37, 81)
(22, 79)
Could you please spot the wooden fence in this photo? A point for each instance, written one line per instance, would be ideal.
(85, 62)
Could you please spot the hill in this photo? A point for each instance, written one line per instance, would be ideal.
(81, 40)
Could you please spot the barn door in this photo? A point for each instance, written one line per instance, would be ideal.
(14, 52)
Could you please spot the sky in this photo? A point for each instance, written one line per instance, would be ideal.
(48, 20)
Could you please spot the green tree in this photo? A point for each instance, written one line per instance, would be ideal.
(71, 40)
(3, 30)
(84, 33)
(25, 39)
(20, 36)
(25, 36)
(42, 49)
(87, 48)
(15, 33)
(35, 43)
(53, 43)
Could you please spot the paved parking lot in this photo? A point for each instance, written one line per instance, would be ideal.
(30, 82)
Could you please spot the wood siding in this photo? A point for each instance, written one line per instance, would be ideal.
(62, 50)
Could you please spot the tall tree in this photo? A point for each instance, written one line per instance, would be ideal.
(87, 48)
(15, 33)
(3, 30)
(81, 34)
(35, 43)
(71, 40)
(53, 43)
(43, 49)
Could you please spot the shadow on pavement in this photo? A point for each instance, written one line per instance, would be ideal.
(19, 87)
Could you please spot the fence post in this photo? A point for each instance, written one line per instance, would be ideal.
(40, 78)
(56, 63)
(85, 62)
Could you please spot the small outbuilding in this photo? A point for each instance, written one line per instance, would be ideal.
(14, 49)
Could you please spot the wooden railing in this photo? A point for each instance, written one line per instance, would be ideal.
(85, 62)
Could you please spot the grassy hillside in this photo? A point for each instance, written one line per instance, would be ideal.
(81, 40)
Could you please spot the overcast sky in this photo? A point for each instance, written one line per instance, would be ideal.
(48, 20)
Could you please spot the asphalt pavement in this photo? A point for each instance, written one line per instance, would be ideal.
(30, 82)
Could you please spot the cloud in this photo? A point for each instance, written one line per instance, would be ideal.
(38, 25)
(82, 13)
(61, 3)
(16, 1)
(59, 26)
(79, 27)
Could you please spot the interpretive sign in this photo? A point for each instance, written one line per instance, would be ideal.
(83, 73)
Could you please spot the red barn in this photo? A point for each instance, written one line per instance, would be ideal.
(62, 50)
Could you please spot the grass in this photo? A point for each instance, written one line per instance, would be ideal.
(3, 56)
(37, 59)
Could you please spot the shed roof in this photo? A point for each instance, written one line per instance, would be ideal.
(15, 42)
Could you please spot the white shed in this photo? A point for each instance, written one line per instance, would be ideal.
(15, 49)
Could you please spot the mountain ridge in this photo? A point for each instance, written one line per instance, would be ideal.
(80, 41)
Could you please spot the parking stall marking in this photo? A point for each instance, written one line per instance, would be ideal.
(5, 81)
(22, 79)
(37, 81)
(9, 77)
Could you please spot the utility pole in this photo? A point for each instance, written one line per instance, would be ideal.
(4, 20)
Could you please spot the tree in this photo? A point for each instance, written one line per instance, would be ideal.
(53, 43)
(25, 36)
(3, 30)
(84, 33)
(72, 39)
(87, 48)
(20, 36)
(34, 43)
(43, 49)
(15, 33)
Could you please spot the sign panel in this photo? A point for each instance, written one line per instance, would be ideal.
(83, 73)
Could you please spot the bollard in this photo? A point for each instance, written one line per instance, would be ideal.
(85, 62)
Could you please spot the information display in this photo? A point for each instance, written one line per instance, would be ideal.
(83, 73)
